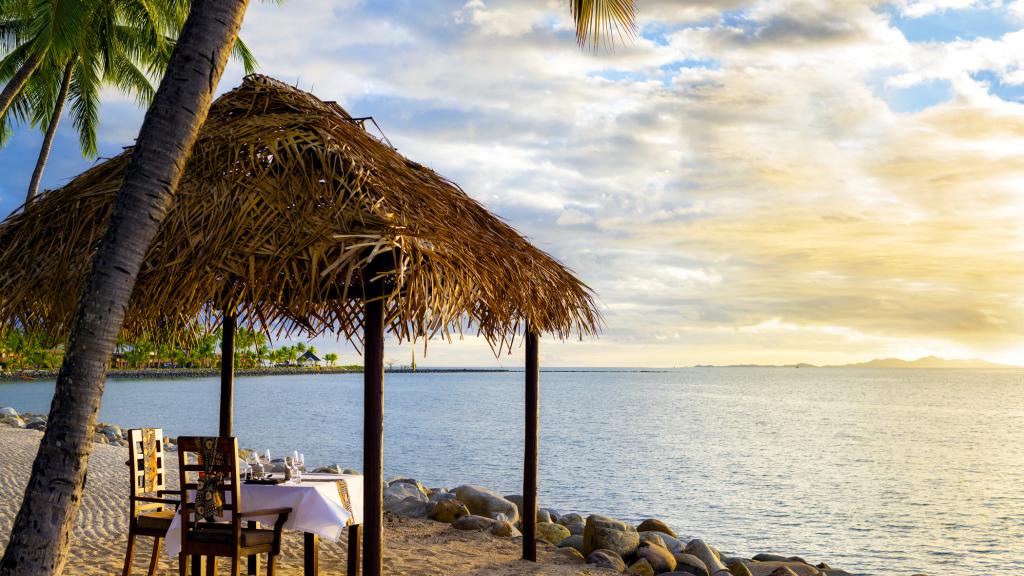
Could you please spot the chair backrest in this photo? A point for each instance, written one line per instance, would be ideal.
(146, 460)
(208, 469)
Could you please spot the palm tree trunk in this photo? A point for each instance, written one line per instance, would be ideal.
(41, 536)
(51, 130)
(18, 81)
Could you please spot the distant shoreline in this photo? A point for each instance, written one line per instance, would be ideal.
(178, 373)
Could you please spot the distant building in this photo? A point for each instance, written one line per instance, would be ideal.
(309, 358)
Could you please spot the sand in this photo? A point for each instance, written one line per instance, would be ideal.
(412, 547)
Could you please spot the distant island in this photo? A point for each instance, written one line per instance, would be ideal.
(925, 362)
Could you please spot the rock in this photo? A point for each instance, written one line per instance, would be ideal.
(576, 529)
(655, 525)
(350, 471)
(769, 558)
(782, 571)
(504, 528)
(411, 507)
(447, 511)
(602, 532)
(333, 469)
(517, 500)
(641, 568)
(575, 542)
(419, 486)
(798, 559)
(112, 432)
(8, 411)
(698, 548)
(12, 421)
(171, 448)
(552, 513)
(472, 522)
(569, 553)
(606, 559)
(739, 569)
(823, 566)
(654, 538)
(36, 425)
(551, 532)
(571, 518)
(766, 568)
(484, 502)
(659, 557)
(690, 564)
(100, 439)
(674, 545)
(544, 516)
(442, 494)
(400, 491)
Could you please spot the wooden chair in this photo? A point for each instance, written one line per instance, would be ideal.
(150, 513)
(216, 468)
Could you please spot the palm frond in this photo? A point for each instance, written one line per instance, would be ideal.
(599, 19)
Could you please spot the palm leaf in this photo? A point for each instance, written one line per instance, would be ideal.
(596, 19)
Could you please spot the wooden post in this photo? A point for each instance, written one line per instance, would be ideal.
(227, 374)
(373, 432)
(529, 511)
(311, 554)
(355, 544)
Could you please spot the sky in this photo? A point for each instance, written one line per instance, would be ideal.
(744, 181)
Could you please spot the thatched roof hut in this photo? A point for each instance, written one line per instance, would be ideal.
(292, 218)
(285, 200)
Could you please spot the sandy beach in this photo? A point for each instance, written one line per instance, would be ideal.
(412, 546)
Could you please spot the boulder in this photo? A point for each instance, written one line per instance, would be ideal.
(782, 571)
(400, 491)
(570, 518)
(334, 469)
(36, 425)
(544, 516)
(660, 558)
(472, 522)
(575, 542)
(516, 499)
(769, 558)
(551, 532)
(569, 553)
(447, 510)
(100, 439)
(442, 494)
(12, 421)
(739, 569)
(112, 432)
(690, 564)
(655, 525)
(654, 538)
(606, 559)
(674, 545)
(602, 532)
(576, 529)
(766, 568)
(641, 568)
(8, 411)
(484, 502)
(504, 528)
(552, 513)
(412, 482)
(698, 548)
(411, 507)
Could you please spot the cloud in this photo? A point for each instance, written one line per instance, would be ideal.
(747, 181)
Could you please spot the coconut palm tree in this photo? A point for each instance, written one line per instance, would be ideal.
(165, 141)
(124, 44)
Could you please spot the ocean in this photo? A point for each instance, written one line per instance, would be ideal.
(873, 471)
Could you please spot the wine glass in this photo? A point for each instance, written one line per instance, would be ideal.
(301, 464)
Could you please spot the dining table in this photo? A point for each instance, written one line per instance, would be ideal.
(318, 511)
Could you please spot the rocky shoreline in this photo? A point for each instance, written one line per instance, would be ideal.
(157, 373)
(649, 548)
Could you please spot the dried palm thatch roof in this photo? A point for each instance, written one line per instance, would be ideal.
(285, 202)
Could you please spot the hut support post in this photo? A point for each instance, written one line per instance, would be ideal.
(532, 411)
(373, 435)
(227, 374)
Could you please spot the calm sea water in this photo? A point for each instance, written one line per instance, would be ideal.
(874, 471)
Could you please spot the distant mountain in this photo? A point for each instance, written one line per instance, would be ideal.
(926, 362)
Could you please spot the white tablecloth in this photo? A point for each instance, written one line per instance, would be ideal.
(315, 503)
